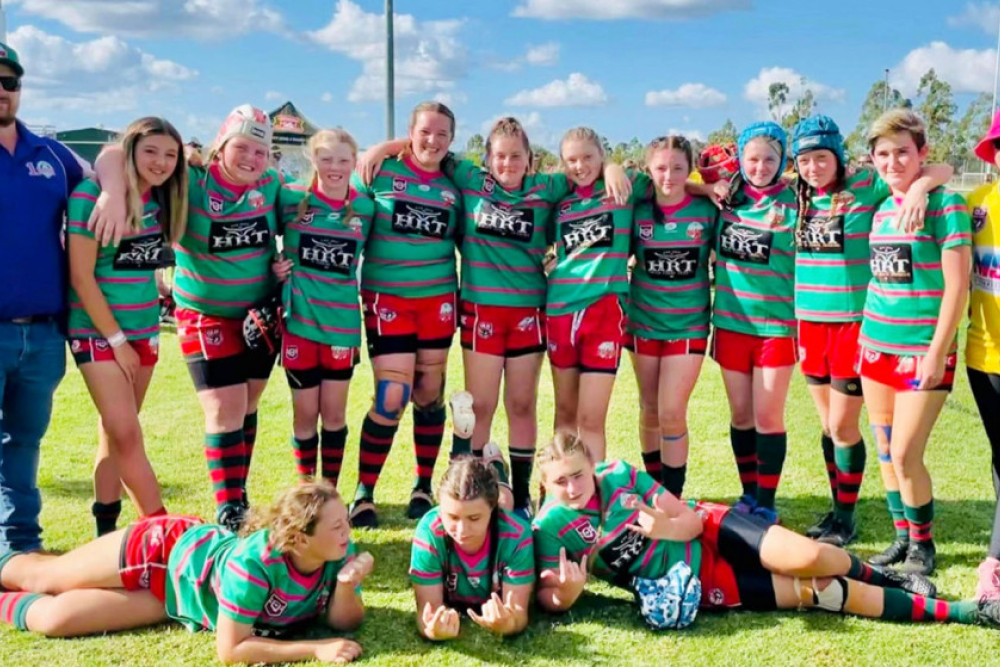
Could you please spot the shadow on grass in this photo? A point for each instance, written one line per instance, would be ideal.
(83, 489)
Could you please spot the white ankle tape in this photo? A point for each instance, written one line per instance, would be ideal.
(833, 598)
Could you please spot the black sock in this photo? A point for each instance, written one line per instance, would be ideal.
(673, 479)
(106, 515)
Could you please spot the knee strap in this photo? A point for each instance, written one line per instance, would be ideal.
(382, 389)
(832, 598)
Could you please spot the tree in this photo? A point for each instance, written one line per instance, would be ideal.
(727, 134)
(937, 108)
(474, 148)
(966, 132)
(545, 160)
(777, 99)
(804, 107)
(875, 103)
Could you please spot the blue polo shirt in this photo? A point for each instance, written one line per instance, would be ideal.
(35, 184)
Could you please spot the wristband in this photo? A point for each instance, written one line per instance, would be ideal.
(117, 339)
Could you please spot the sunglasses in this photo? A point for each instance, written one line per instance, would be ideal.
(10, 83)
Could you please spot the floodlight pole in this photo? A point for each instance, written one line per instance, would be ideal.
(3, 24)
(390, 93)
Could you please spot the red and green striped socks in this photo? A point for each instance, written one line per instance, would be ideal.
(428, 433)
(376, 443)
(333, 445)
(850, 471)
(226, 456)
(898, 605)
(771, 450)
(14, 607)
(921, 521)
(744, 444)
(306, 451)
(894, 501)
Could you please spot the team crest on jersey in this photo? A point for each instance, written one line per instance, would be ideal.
(446, 313)
(586, 532)
(594, 232)
(775, 216)
(504, 222)
(226, 236)
(526, 324)
(670, 226)
(275, 605)
(41, 168)
(452, 582)
(419, 219)
(339, 352)
(671, 264)
(646, 231)
(255, 198)
(325, 253)
(214, 204)
(291, 352)
(842, 200)
(139, 253)
(488, 185)
(871, 356)
(564, 208)
(213, 336)
(475, 581)
(892, 263)
(906, 365)
(449, 197)
(821, 234)
(307, 217)
(355, 223)
(322, 600)
(694, 231)
(386, 314)
(744, 243)
(398, 185)
(978, 218)
(485, 330)
(607, 350)
(101, 344)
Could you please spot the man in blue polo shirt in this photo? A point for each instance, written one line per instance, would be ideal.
(37, 175)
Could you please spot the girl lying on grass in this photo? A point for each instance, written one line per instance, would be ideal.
(288, 567)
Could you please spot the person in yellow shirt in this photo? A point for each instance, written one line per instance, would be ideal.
(982, 351)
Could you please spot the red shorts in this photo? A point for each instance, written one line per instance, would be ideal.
(87, 350)
(307, 363)
(399, 324)
(502, 331)
(146, 549)
(741, 352)
(589, 339)
(719, 588)
(900, 372)
(652, 347)
(828, 350)
(206, 337)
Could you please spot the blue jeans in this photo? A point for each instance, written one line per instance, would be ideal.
(32, 361)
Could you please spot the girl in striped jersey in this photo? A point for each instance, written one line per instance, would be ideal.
(325, 225)
(668, 309)
(114, 319)
(908, 338)
(753, 314)
(618, 523)
(409, 283)
(470, 555)
(223, 268)
(587, 288)
(831, 281)
(506, 228)
(293, 565)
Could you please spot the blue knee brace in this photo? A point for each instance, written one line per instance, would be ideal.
(381, 389)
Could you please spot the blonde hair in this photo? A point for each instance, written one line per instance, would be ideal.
(435, 107)
(295, 512)
(469, 478)
(895, 121)
(564, 444)
(172, 195)
(580, 134)
(324, 139)
(672, 142)
(508, 126)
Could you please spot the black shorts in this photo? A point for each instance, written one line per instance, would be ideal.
(740, 537)
(228, 371)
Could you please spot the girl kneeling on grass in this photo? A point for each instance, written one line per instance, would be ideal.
(619, 523)
(288, 567)
(114, 319)
(469, 554)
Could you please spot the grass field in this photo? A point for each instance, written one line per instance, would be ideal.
(603, 628)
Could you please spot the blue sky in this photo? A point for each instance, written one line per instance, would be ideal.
(626, 67)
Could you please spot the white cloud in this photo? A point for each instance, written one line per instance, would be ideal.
(201, 19)
(429, 58)
(756, 89)
(326, 97)
(575, 91)
(691, 95)
(452, 99)
(626, 9)
(102, 75)
(967, 70)
(690, 135)
(534, 126)
(982, 15)
(274, 96)
(541, 55)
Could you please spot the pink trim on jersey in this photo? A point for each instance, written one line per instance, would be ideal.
(238, 610)
(221, 281)
(754, 296)
(228, 259)
(243, 574)
(419, 171)
(879, 288)
(761, 320)
(923, 321)
(670, 209)
(750, 271)
(814, 261)
(214, 302)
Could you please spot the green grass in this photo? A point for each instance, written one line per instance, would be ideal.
(604, 628)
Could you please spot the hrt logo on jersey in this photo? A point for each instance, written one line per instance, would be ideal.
(410, 218)
(505, 223)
